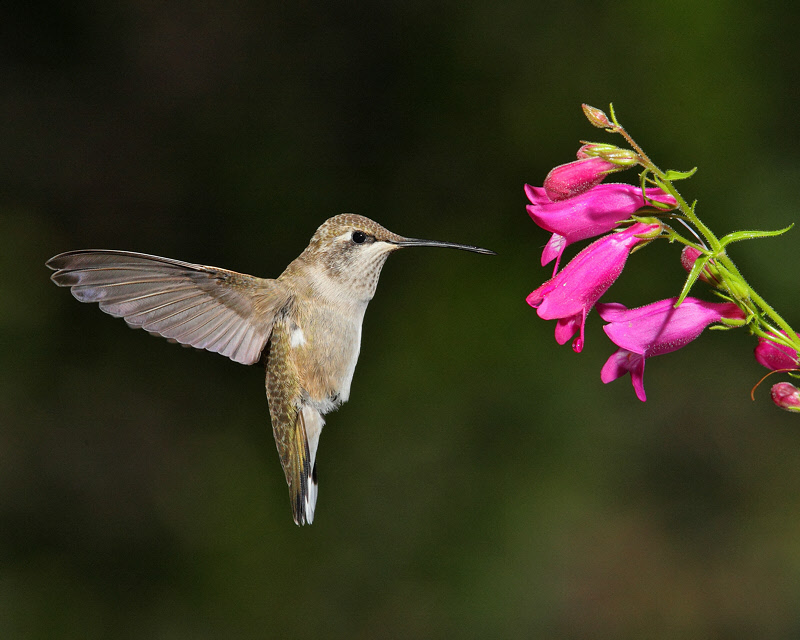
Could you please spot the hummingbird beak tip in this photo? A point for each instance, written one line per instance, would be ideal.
(415, 242)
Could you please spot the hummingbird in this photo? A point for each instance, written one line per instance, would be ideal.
(304, 326)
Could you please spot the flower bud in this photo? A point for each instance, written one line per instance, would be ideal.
(596, 116)
(592, 149)
(786, 396)
(776, 356)
(574, 178)
(709, 273)
(615, 155)
(716, 275)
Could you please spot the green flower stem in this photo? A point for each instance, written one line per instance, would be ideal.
(791, 335)
(743, 294)
(688, 211)
(772, 334)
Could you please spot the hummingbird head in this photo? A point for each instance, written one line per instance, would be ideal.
(352, 249)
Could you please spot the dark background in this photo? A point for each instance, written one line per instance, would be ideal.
(481, 482)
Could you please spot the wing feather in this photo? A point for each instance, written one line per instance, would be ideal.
(206, 307)
(216, 341)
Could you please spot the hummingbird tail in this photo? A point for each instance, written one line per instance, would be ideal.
(303, 492)
(302, 473)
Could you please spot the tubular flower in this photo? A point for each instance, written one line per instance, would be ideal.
(576, 177)
(587, 215)
(569, 295)
(786, 396)
(655, 329)
(776, 356)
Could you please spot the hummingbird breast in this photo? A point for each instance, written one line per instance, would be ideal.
(324, 343)
(323, 326)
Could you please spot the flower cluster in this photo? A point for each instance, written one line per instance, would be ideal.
(575, 204)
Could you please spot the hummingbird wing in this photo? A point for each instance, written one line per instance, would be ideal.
(208, 308)
(292, 423)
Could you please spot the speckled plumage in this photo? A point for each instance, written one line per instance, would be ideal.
(305, 325)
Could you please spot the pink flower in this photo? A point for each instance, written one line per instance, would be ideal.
(655, 329)
(776, 356)
(587, 215)
(576, 177)
(786, 396)
(570, 295)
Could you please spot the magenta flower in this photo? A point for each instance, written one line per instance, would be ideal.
(571, 293)
(655, 329)
(576, 177)
(776, 356)
(587, 215)
(786, 396)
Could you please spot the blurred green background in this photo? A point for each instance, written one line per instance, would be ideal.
(481, 482)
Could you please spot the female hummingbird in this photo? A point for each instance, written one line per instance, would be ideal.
(305, 325)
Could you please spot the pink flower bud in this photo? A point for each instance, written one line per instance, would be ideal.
(592, 149)
(574, 178)
(689, 256)
(596, 116)
(786, 396)
(776, 356)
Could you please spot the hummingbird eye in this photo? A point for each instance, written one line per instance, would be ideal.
(359, 237)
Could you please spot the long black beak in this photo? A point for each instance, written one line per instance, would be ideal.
(416, 242)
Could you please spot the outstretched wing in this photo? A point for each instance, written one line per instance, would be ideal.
(295, 427)
(208, 308)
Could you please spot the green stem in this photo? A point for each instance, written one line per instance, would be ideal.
(791, 336)
(688, 211)
(720, 256)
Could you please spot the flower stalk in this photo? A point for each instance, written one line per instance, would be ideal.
(574, 205)
(732, 283)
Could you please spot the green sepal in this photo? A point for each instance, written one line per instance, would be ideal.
(656, 204)
(671, 174)
(646, 220)
(728, 298)
(737, 236)
(654, 179)
(729, 323)
(658, 182)
(613, 115)
(694, 274)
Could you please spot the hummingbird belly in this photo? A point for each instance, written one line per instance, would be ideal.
(325, 347)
